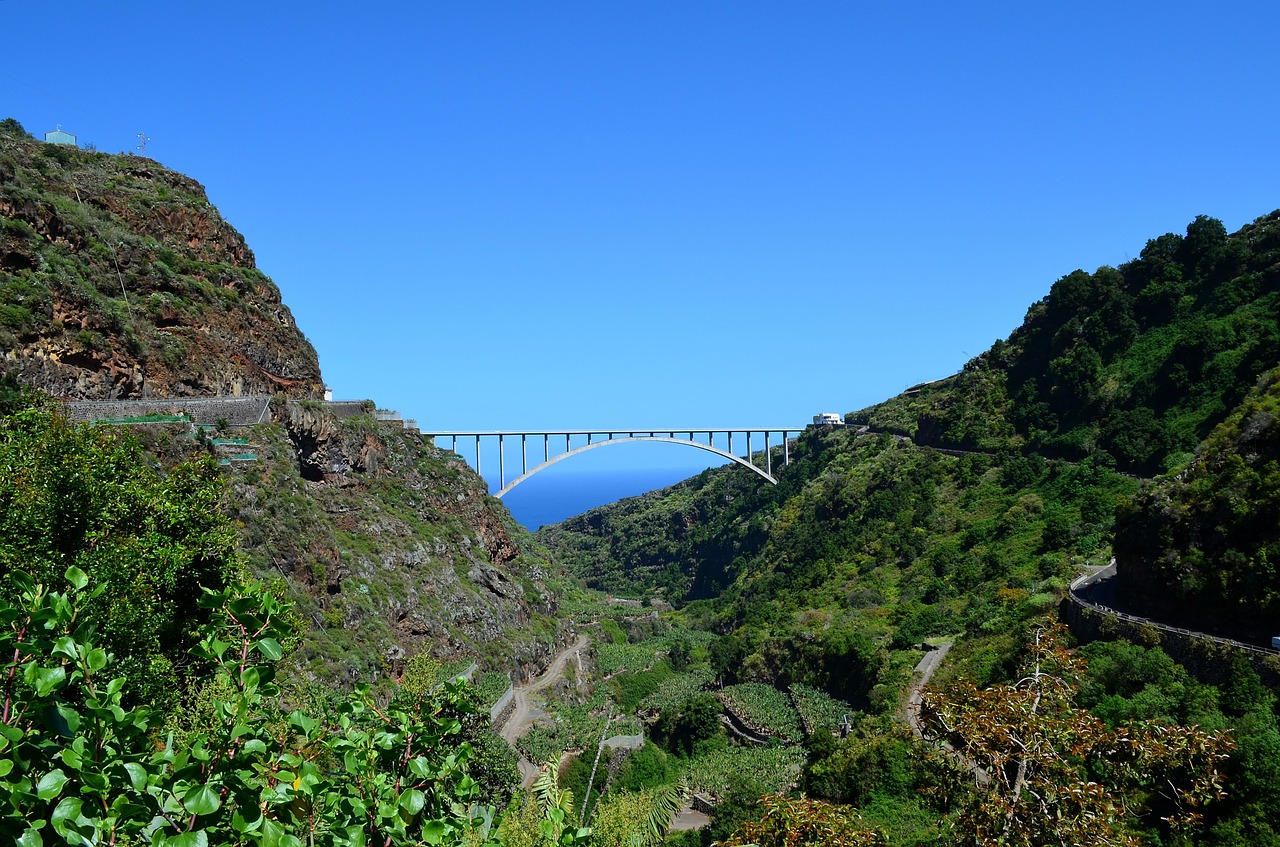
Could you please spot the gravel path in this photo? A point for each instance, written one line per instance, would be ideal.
(524, 713)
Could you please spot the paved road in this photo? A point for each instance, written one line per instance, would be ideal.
(687, 819)
(523, 711)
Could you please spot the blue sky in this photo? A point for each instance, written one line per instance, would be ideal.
(555, 215)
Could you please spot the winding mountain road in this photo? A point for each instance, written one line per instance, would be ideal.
(524, 713)
(1096, 589)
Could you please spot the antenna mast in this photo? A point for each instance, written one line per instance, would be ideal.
(142, 143)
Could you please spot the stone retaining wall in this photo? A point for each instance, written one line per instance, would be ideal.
(1205, 657)
(204, 411)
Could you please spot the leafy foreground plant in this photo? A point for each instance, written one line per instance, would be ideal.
(1040, 763)
(77, 767)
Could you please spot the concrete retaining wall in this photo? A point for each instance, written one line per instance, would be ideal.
(204, 411)
(501, 710)
(625, 742)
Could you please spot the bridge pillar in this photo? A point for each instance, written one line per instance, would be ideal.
(502, 465)
(731, 443)
(524, 455)
(546, 446)
(768, 457)
(786, 449)
(478, 473)
(750, 458)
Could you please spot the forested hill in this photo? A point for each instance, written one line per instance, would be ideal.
(1131, 365)
(1115, 375)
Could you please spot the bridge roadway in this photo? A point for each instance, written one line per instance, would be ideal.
(703, 438)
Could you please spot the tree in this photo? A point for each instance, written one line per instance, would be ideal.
(697, 721)
(78, 767)
(75, 495)
(1040, 763)
(637, 819)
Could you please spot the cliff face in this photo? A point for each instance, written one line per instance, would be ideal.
(120, 282)
(119, 279)
(389, 546)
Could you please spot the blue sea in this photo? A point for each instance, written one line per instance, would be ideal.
(551, 497)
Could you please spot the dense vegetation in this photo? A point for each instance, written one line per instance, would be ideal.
(154, 692)
(1204, 547)
(961, 510)
(1132, 365)
(74, 496)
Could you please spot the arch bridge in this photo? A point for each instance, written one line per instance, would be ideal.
(574, 442)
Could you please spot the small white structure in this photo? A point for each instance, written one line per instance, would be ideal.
(825, 418)
(57, 136)
(328, 394)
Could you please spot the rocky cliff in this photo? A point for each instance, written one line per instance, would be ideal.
(120, 284)
(119, 279)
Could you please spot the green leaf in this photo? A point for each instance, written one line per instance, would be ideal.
(50, 784)
(303, 722)
(70, 716)
(137, 775)
(6, 765)
(270, 648)
(412, 801)
(65, 647)
(64, 815)
(71, 758)
(97, 659)
(44, 680)
(188, 839)
(434, 831)
(272, 833)
(77, 578)
(201, 800)
(30, 838)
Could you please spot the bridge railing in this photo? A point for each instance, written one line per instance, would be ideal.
(751, 446)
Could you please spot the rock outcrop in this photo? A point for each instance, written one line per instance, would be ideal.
(119, 279)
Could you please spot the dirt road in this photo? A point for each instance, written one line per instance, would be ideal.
(523, 712)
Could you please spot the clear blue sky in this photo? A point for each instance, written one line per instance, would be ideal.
(591, 214)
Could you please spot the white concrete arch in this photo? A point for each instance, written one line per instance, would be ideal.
(669, 439)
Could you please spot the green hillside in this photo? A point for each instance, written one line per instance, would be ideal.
(1203, 547)
(961, 509)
